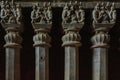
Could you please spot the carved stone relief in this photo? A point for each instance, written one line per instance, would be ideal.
(41, 19)
(73, 13)
(104, 13)
(11, 21)
(104, 16)
(73, 21)
(10, 13)
(42, 14)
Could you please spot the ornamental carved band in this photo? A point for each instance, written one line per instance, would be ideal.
(104, 18)
(41, 16)
(73, 21)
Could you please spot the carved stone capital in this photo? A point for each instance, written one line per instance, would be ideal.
(104, 13)
(104, 17)
(41, 21)
(71, 39)
(10, 13)
(72, 36)
(73, 13)
(100, 40)
(72, 22)
(42, 37)
(41, 14)
(13, 39)
(11, 21)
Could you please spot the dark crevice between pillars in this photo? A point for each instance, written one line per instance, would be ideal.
(2, 54)
(27, 51)
(114, 50)
(85, 52)
(56, 51)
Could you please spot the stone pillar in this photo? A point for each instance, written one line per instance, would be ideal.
(72, 24)
(41, 44)
(12, 46)
(102, 23)
(100, 53)
(42, 26)
(13, 26)
(71, 42)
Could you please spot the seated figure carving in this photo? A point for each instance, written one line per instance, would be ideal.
(73, 13)
(104, 13)
(10, 13)
(41, 14)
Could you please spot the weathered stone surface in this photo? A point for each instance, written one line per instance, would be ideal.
(13, 64)
(100, 69)
(11, 21)
(71, 63)
(73, 21)
(104, 18)
(41, 21)
(42, 63)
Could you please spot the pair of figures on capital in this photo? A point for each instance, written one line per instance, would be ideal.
(10, 13)
(42, 14)
(73, 13)
(104, 13)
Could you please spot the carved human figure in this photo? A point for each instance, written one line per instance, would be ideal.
(103, 15)
(65, 14)
(13, 9)
(41, 14)
(3, 12)
(112, 14)
(38, 13)
(10, 13)
(49, 15)
(18, 13)
(95, 13)
(33, 14)
(80, 14)
(73, 15)
(10, 17)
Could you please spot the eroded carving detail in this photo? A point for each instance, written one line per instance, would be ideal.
(104, 13)
(10, 13)
(100, 40)
(73, 13)
(71, 38)
(11, 21)
(73, 21)
(104, 17)
(42, 14)
(41, 38)
(12, 39)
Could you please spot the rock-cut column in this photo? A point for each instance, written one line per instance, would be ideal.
(11, 22)
(42, 24)
(72, 24)
(104, 17)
